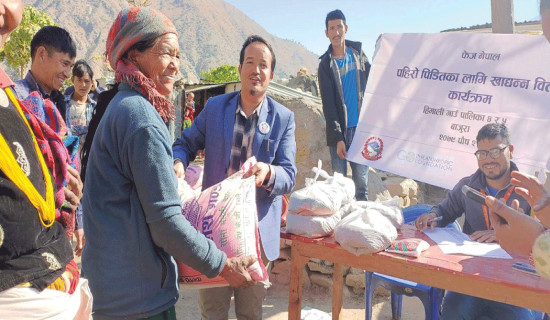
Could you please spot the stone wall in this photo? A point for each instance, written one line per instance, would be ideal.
(310, 136)
(305, 83)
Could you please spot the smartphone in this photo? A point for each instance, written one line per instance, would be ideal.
(480, 198)
(473, 194)
(524, 267)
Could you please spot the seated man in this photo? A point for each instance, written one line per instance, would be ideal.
(492, 178)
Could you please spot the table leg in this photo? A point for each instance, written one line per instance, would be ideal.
(337, 287)
(298, 263)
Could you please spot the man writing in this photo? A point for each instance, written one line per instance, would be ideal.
(232, 128)
(343, 73)
(494, 156)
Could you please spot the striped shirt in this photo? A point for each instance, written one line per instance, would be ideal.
(243, 136)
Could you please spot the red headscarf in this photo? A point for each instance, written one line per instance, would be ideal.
(132, 25)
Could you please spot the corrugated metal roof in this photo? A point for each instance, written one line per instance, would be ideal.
(277, 88)
(274, 88)
(206, 87)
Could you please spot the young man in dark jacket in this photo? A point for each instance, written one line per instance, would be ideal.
(493, 177)
(343, 73)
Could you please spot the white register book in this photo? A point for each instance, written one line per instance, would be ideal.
(452, 241)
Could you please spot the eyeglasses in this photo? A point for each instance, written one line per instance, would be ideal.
(495, 153)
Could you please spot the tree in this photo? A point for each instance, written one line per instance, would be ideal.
(16, 51)
(223, 73)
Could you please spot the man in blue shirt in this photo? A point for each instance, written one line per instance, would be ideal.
(343, 72)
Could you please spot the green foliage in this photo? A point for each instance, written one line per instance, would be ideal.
(223, 73)
(68, 82)
(16, 51)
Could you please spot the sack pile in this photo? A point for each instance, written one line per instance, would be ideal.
(314, 210)
(368, 227)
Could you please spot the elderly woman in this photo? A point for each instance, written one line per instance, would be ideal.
(133, 221)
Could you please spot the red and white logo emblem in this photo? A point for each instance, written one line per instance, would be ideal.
(372, 150)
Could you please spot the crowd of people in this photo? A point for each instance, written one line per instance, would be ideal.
(100, 165)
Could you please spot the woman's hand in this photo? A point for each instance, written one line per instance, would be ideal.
(533, 191)
(514, 230)
(235, 273)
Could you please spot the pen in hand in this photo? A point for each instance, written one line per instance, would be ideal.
(436, 219)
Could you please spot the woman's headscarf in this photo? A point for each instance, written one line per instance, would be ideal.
(132, 25)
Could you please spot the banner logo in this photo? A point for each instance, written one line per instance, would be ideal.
(372, 150)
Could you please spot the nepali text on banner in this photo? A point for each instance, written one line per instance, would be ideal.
(428, 95)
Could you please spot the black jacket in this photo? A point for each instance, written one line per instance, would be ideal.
(29, 252)
(332, 93)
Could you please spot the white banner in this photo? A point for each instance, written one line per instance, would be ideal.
(428, 95)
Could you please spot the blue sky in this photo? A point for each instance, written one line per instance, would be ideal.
(304, 20)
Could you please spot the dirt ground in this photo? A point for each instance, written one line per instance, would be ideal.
(275, 306)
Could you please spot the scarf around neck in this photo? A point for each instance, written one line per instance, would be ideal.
(132, 25)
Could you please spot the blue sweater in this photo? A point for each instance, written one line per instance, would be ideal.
(133, 221)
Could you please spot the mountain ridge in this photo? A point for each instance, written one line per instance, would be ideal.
(211, 33)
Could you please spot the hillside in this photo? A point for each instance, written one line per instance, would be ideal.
(211, 32)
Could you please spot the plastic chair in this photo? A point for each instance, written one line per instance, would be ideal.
(431, 297)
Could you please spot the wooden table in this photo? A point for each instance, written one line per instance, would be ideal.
(488, 278)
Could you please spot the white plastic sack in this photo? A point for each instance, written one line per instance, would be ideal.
(347, 187)
(387, 208)
(186, 192)
(311, 226)
(309, 313)
(226, 213)
(321, 198)
(367, 227)
(193, 176)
